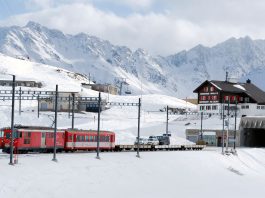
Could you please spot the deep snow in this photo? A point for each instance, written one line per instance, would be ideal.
(185, 174)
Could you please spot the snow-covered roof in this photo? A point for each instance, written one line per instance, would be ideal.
(239, 87)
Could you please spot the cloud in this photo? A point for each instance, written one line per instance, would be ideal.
(38, 4)
(164, 32)
(137, 3)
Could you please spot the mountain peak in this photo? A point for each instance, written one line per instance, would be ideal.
(34, 25)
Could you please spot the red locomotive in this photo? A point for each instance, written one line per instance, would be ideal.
(1, 139)
(41, 139)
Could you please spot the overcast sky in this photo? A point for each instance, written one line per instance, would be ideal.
(159, 26)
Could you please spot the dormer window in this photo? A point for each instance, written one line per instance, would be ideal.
(205, 89)
(212, 89)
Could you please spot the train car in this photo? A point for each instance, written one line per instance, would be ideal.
(33, 139)
(87, 140)
(2, 138)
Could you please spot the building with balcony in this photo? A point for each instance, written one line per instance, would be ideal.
(214, 96)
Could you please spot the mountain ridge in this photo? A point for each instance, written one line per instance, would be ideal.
(176, 75)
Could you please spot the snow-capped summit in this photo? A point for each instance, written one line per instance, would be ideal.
(85, 54)
(176, 74)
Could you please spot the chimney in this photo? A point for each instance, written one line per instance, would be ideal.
(248, 81)
(226, 76)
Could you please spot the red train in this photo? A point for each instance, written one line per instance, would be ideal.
(41, 139)
(1, 139)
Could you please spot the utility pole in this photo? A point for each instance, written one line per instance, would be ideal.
(73, 111)
(20, 100)
(108, 92)
(201, 125)
(121, 81)
(55, 125)
(167, 122)
(38, 98)
(12, 120)
(235, 127)
(223, 131)
(69, 106)
(186, 106)
(227, 132)
(138, 132)
(98, 137)
(120, 88)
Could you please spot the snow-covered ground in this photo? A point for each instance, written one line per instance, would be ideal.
(156, 174)
(189, 174)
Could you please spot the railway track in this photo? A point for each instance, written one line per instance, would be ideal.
(123, 147)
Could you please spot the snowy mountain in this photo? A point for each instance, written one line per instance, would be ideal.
(243, 58)
(85, 54)
(176, 75)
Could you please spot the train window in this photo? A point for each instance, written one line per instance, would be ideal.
(107, 138)
(86, 138)
(27, 134)
(83, 138)
(15, 134)
(26, 141)
(1, 134)
(8, 135)
(18, 135)
(43, 135)
(70, 137)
